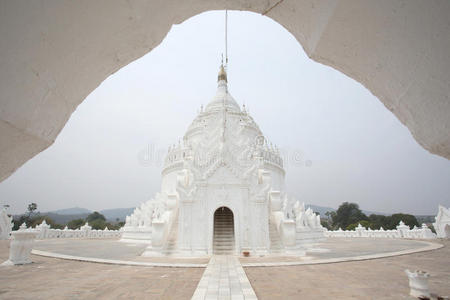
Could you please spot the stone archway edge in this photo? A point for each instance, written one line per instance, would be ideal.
(428, 246)
(54, 53)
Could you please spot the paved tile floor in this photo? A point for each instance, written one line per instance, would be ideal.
(50, 278)
(107, 249)
(370, 279)
(224, 278)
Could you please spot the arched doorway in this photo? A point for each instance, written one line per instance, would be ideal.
(223, 239)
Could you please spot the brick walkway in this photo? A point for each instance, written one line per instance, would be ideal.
(224, 278)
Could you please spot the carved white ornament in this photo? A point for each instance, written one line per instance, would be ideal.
(6, 224)
(442, 223)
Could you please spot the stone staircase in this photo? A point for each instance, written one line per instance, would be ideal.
(223, 243)
(276, 246)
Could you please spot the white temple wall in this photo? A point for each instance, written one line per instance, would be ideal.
(235, 199)
(195, 217)
(168, 182)
(259, 227)
(184, 221)
(236, 205)
(277, 177)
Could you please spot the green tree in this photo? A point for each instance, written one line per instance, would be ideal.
(39, 219)
(432, 228)
(19, 221)
(409, 220)
(31, 208)
(75, 224)
(378, 221)
(347, 213)
(325, 224)
(30, 211)
(25, 218)
(98, 224)
(330, 214)
(95, 216)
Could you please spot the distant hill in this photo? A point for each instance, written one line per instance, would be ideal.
(114, 213)
(64, 219)
(320, 209)
(69, 214)
(57, 218)
(63, 216)
(71, 211)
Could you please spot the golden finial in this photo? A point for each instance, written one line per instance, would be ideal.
(222, 74)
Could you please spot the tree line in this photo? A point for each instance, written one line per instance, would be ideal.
(348, 216)
(32, 218)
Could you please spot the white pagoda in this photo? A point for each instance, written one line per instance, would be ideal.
(222, 191)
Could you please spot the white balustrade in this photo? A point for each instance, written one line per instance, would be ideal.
(45, 232)
(402, 231)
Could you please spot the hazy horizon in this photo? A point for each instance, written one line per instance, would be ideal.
(338, 141)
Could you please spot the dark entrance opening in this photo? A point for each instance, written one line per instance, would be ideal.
(223, 240)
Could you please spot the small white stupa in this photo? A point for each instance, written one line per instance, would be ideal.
(222, 191)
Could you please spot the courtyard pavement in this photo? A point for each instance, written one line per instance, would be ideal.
(224, 278)
(51, 278)
(382, 278)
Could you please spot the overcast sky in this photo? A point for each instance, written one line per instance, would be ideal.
(339, 142)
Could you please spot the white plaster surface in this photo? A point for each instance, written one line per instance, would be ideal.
(54, 53)
(442, 223)
(20, 247)
(6, 224)
(418, 283)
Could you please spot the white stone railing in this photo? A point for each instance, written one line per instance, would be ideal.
(86, 231)
(402, 231)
